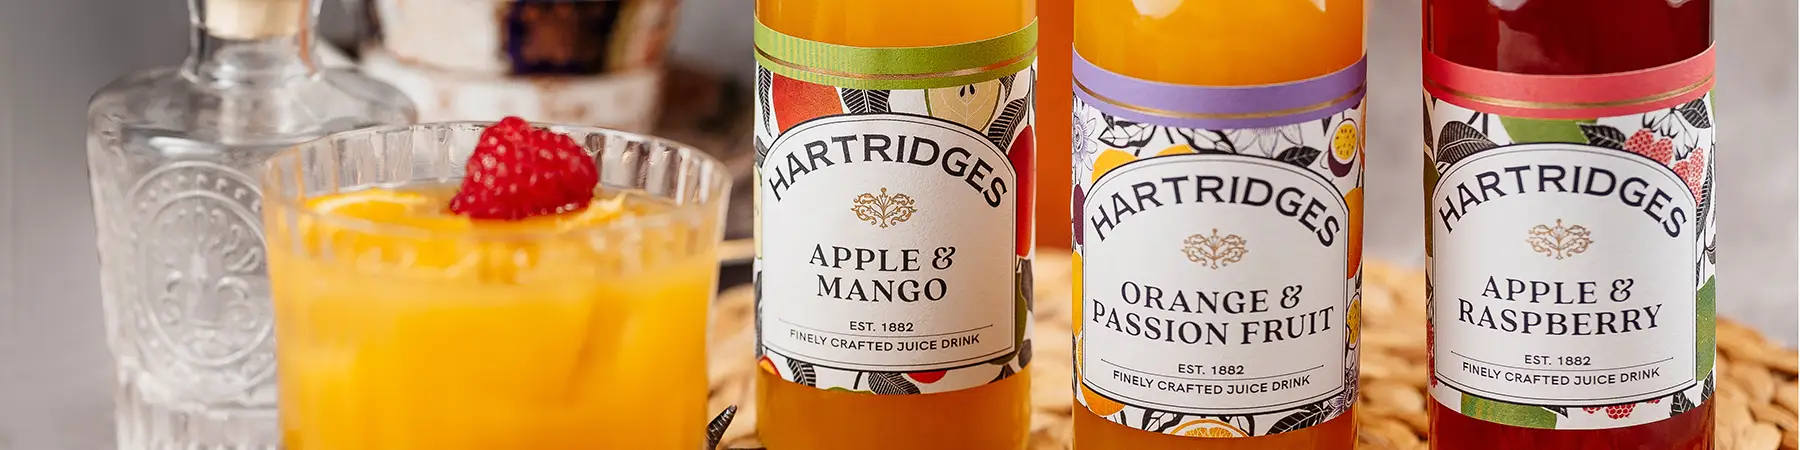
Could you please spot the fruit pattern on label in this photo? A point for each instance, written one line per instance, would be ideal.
(980, 215)
(1326, 149)
(1674, 145)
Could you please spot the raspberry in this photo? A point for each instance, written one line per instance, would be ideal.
(1653, 401)
(1617, 412)
(1644, 142)
(519, 171)
(1590, 409)
(1662, 150)
(1692, 170)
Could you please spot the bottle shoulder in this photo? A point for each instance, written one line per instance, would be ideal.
(328, 102)
(384, 98)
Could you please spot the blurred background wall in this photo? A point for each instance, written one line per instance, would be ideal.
(54, 376)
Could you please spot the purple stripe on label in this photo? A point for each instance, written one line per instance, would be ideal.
(1219, 107)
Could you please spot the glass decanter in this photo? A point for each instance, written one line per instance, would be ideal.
(172, 154)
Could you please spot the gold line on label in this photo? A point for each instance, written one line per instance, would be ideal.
(1510, 103)
(1255, 115)
(909, 76)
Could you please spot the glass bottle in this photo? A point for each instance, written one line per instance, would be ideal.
(1218, 160)
(183, 274)
(928, 118)
(1528, 96)
(1056, 42)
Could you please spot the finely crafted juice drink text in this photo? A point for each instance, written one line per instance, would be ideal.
(1570, 214)
(894, 205)
(1218, 160)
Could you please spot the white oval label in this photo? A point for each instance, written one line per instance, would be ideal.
(1211, 264)
(1554, 284)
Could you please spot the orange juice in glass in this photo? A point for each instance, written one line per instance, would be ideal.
(1218, 215)
(402, 324)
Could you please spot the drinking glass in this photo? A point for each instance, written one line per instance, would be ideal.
(397, 331)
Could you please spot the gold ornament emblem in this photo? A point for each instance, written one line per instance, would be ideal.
(1559, 241)
(883, 210)
(1214, 251)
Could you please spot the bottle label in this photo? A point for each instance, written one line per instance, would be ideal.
(1570, 245)
(893, 213)
(1218, 252)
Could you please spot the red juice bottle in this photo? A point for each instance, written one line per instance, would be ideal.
(1570, 223)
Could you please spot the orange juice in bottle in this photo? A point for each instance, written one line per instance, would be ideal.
(894, 190)
(1054, 45)
(1218, 163)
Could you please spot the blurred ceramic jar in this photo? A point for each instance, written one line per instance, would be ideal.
(588, 62)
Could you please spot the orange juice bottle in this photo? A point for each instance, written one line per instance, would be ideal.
(1217, 149)
(1054, 45)
(894, 187)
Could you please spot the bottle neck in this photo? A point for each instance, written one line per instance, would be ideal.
(252, 43)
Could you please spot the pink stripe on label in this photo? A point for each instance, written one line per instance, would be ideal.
(1569, 96)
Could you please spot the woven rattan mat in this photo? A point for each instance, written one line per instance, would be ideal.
(1755, 400)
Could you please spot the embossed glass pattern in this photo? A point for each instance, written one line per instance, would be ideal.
(171, 156)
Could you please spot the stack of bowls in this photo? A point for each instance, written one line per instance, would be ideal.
(586, 62)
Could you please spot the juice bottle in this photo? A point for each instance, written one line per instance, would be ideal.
(1055, 44)
(1569, 186)
(1218, 222)
(894, 214)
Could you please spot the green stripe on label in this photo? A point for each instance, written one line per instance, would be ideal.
(899, 67)
(1508, 413)
(1544, 130)
(1706, 329)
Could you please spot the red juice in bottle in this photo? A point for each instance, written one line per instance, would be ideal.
(1570, 223)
